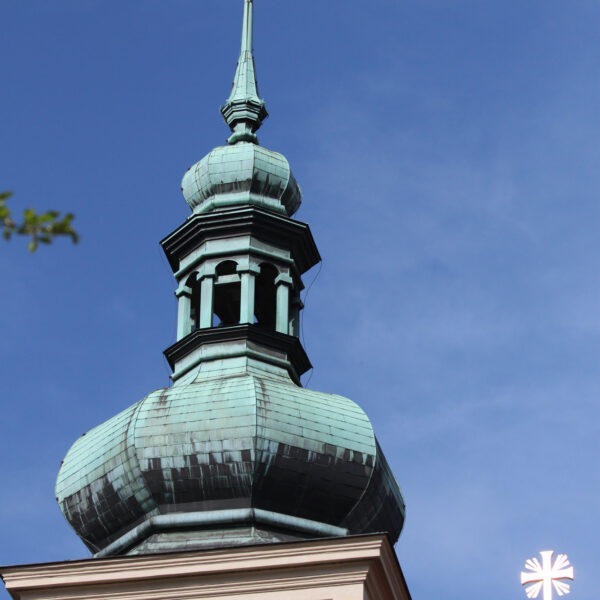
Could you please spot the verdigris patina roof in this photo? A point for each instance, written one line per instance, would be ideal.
(242, 174)
(236, 452)
(244, 441)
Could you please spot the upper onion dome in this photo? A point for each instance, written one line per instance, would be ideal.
(243, 172)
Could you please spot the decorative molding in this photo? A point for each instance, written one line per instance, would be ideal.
(361, 566)
(265, 225)
(288, 345)
(215, 518)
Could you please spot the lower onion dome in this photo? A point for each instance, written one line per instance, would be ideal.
(232, 460)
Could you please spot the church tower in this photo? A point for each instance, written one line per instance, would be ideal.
(235, 463)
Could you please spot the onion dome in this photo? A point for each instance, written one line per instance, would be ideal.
(243, 172)
(249, 458)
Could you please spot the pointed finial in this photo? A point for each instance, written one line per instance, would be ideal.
(245, 111)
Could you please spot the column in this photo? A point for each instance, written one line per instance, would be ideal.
(248, 286)
(283, 283)
(206, 301)
(184, 311)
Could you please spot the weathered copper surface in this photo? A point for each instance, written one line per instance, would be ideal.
(242, 440)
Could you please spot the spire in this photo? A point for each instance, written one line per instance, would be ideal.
(245, 111)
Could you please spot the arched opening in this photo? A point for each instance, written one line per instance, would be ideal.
(226, 303)
(227, 267)
(265, 299)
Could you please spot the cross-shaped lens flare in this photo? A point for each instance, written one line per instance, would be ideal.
(544, 576)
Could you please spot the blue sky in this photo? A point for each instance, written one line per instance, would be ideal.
(448, 153)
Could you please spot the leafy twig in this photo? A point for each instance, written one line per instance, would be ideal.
(42, 228)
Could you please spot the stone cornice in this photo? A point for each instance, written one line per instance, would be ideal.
(366, 560)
